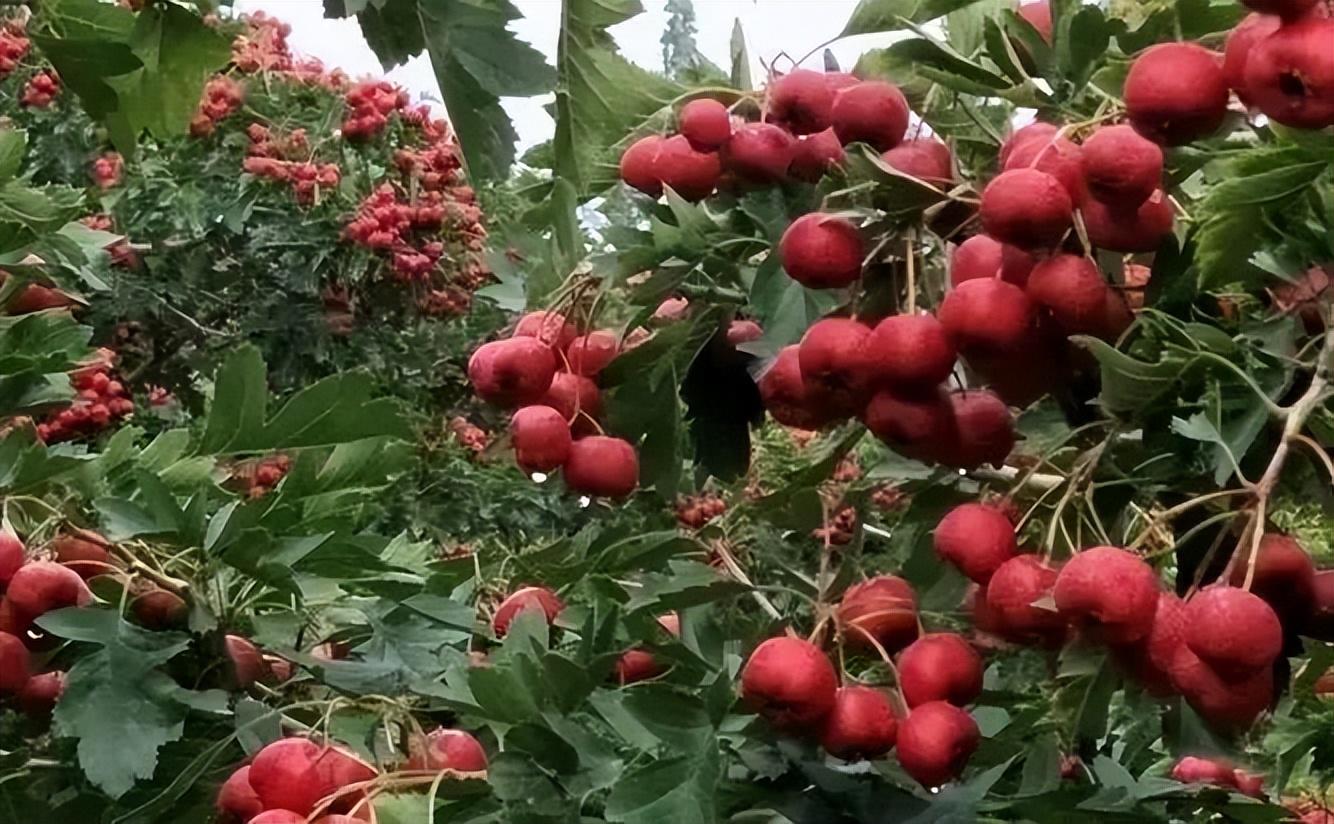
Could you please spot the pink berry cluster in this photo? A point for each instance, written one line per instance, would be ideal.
(263, 48)
(102, 400)
(40, 90)
(14, 47)
(470, 436)
(384, 222)
(696, 511)
(222, 97)
(435, 167)
(369, 105)
(267, 158)
(107, 170)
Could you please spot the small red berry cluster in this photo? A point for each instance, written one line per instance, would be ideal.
(41, 90)
(263, 48)
(262, 476)
(369, 106)
(101, 401)
(694, 511)
(386, 223)
(122, 254)
(838, 530)
(268, 157)
(222, 97)
(469, 435)
(435, 167)
(13, 48)
(107, 170)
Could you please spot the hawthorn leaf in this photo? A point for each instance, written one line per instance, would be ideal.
(893, 15)
(681, 790)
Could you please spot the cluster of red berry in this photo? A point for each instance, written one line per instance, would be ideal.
(262, 476)
(222, 97)
(838, 530)
(694, 511)
(101, 401)
(436, 167)
(469, 435)
(369, 105)
(41, 89)
(263, 48)
(107, 170)
(385, 223)
(889, 498)
(548, 371)
(122, 254)
(13, 47)
(270, 156)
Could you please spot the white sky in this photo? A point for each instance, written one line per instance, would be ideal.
(772, 27)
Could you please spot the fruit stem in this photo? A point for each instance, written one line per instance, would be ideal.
(736, 572)
(900, 702)
(1185, 506)
(911, 258)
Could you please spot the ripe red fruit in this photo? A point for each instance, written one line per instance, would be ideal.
(1142, 230)
(1071, 288)
(861, 725)
(801, 101)
(1011, 593)
(541, 438)
(925, 158)
(977, 539)
(444, 749)
(279, 817)
(743, 331)
(84, 557)
(1285, 9)
(1320, 621)
(916, 425)
(1042, 147)
(1230, 706)
(986, 315)
(1233, 631)
(1284, 576)
(39, 696)
(983, 430)
(237, 800)
(513, 372)
(885, 608)
(527, 599)
(1192, 770)
(42, 586)
(815, 154)
(985, 257)
(549, 327)
(1038, 15)
(1121, 168)
(705, 123)
(1027, 208)
(246, 664)
(910, 351)
(577, 399)
(1150, 660)
(871, 112)
(940, 666)
(1116, 317)
(337, 768)
(1175, 93)
(1109, 593)
(787, 397)
(12, 555)
(158, 609)
(600, 466)
(1290, 74)
(759, 153)
(589, 354)
(14, 663)
(690, 173)
(835, 363)
(790, 682)
(820, 251)
(284, 775)
(1247, 784)
(637, 664)
(935, 742)
(1237, 53)
(639, 165)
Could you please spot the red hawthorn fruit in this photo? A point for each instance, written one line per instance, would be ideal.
(1289, 10)
(1121, 168)
(884, 607)
(1139, 231)
(1150, 660)
(1237, 53)
(821, 251)
(14, 663)
(1290, 74)
(639, 664)
(1011, 593)
(589, 354)
(342, 819)
(977, 539)
(1248, 784)
(337, 768)
(1027, 208)
(1072, 289)
(787, 397)
(1229, 706)
(158, 609)
(549, 327)
(1038, 15)
(1284, 576)
(1192, 770)
(527, 599)
(39, 696)
(1042, 147)
(513, 372)
(1233, 631)
(85, 557)
(12, 554)
(926, 159)
(705, 123)
(835, 363)
(910, 351)
(1116, 317)
(690, 173)
(36, 298)
(800, 101)
(981, 257)
(935, 742)
(861, 725)
(577, 399)
(1109, 593)
(1319, 622)
(247, 666)
(918, 426)
(237, 800)
(444, 749)
(940, 666)
(42, 586)
(602, 467)
(279, 817)
(1175, 93)
(759, 153)
(986, 315)
(815, 154)
(983, 430)
(789, 682)
(284, 775)
(669, 311)
(541, 438)
(741, 331)
(872, 112)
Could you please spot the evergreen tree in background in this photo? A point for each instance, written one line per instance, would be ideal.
(679, 52)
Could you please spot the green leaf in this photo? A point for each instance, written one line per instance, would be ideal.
(13, 146)
(893, 15)
(681, 790)
(1129, 384)
(1081, 41)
